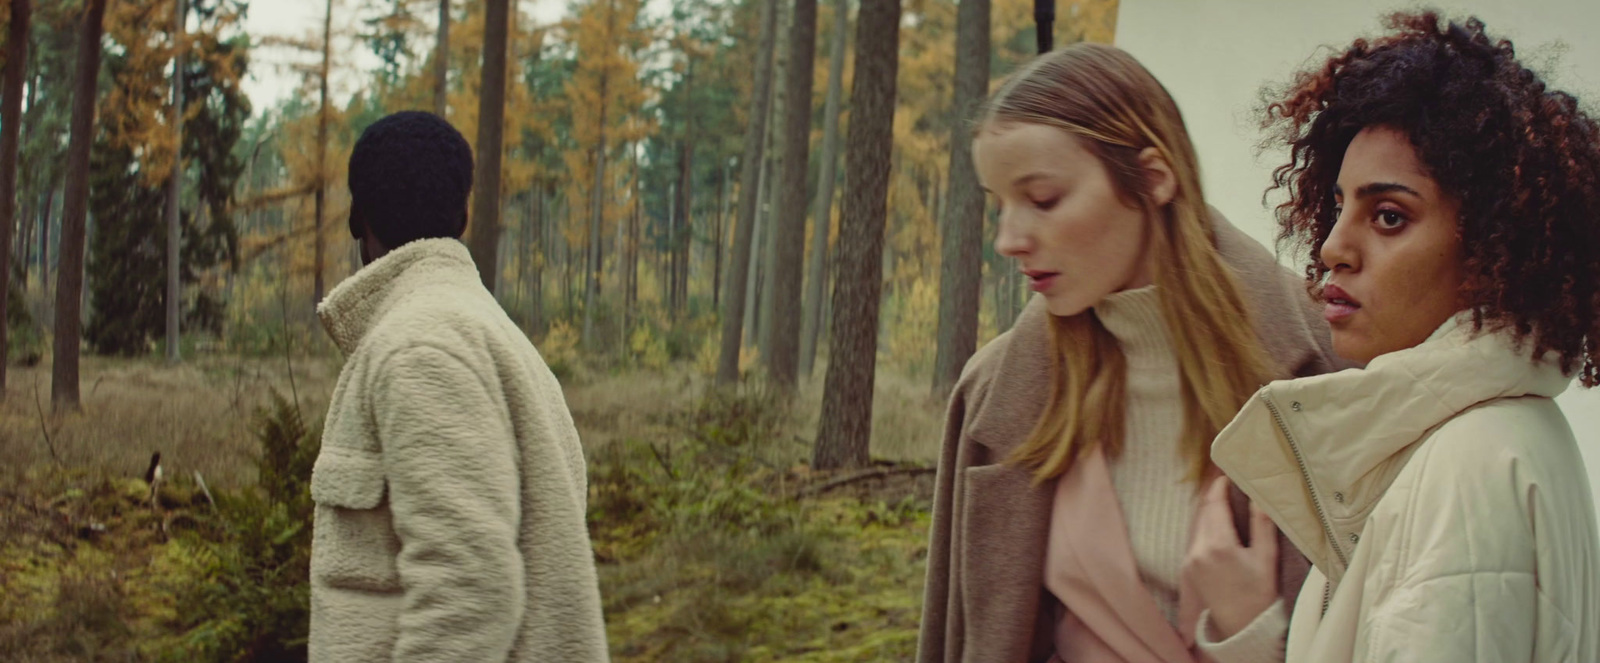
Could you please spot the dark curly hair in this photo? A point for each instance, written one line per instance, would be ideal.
(1522, 160)
(410, 176)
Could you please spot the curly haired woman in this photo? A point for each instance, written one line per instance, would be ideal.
(1450, 203)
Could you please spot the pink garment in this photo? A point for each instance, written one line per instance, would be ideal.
(1089, 565)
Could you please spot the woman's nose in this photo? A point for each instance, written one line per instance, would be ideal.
(1341, 251)
(1012, 240)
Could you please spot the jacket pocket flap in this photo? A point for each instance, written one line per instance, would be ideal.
(348, 479)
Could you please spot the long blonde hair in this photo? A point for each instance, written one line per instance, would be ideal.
(1106, 98)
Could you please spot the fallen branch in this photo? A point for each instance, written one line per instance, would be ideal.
(201, 481)
(43, 428)
(665, 466)
(880, 473)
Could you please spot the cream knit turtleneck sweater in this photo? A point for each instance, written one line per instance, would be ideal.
(1150, 475)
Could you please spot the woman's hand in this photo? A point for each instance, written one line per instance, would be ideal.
(1237, 583)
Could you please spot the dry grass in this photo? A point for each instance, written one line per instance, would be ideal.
(197, 414)
(906, 423)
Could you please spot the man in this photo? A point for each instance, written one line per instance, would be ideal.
(450, 488)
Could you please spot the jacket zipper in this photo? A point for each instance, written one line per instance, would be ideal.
(1316, 502)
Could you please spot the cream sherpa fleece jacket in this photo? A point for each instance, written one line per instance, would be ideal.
(450, 490)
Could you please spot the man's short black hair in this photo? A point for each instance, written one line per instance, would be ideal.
(410, 175)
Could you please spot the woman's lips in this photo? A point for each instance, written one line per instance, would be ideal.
(1334, 311)
(1040, 281)
(1338, 304)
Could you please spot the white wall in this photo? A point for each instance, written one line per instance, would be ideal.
(1214, 56)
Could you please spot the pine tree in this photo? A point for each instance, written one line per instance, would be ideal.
(10, 136)
(789, 231)
(734, 299)
(846, 421)
(960, 280)
(822, 208)
(128, 195)
(69, 291)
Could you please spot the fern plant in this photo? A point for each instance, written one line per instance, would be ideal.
(255, 604)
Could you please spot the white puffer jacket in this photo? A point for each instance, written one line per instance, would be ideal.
(1440, 494)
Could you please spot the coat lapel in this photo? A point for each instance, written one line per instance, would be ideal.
(1093, 570)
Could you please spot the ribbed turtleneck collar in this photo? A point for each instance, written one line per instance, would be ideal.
(1134, 318)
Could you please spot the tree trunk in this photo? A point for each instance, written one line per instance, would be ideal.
(960, 278)
(752, 293)
(30, 216)
(749, 184)
(322, 155)
(720, 234)
(631, 259)
(491, 129)
(537, 255)
(1009, 301)
(567, 286)
(1044, 18)
(75, 210)
(24, 247)
(822, 208)
(596, 219)
(846, 421)
(175, 191)
(769, 218)
(665, 255)
(44, 243)
(10, 134)
(441, 63)
(680, 242)
(789, 233)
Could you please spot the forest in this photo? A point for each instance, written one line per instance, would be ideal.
(744, 234)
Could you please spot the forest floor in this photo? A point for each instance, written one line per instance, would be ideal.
(714, 541)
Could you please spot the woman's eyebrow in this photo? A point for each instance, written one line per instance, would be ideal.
(1377, 188)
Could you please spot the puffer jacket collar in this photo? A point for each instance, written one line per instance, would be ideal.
(351, 308)
(1317, 453)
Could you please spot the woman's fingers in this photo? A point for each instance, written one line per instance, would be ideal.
(1263, 533)
(1216, 519)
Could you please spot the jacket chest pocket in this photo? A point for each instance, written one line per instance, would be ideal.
(354, 545)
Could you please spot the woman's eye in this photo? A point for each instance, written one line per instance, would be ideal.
(1047, 204)
(1389, 219)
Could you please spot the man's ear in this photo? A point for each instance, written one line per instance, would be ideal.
(358, 225)
(461, 229)
(1158, 173)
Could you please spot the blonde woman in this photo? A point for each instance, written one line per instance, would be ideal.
(1077, 441)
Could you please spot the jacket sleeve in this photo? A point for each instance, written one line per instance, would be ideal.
(450, 459)
(1466, 584)
(1260, 642)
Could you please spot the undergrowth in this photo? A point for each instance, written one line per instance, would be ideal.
(706, 551)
